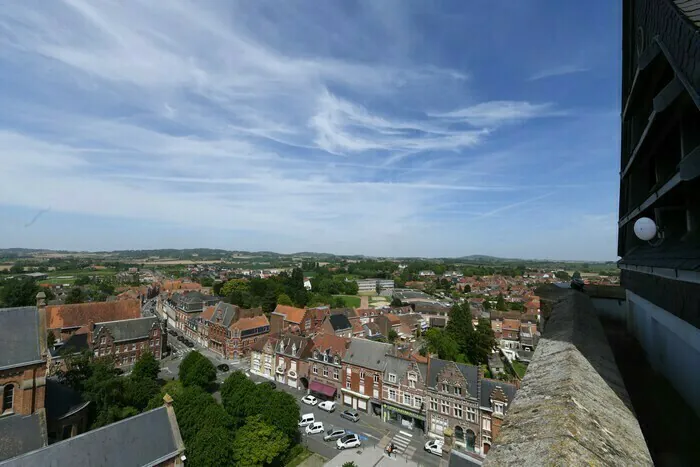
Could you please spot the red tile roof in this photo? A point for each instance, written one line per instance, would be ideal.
(250, 323)
(292, 314)
(208, 312)
(330, 341)
(76, 315)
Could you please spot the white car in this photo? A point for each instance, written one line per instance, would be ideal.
(348, 441)
(316, 427)
(434, 446)
(309, 400)
(307, 419)
(328, 406)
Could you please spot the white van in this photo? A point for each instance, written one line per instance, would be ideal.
(307, 419)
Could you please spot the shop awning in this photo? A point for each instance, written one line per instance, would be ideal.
(326, 390)
(402, 411)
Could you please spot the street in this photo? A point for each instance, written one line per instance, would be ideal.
(371, 429)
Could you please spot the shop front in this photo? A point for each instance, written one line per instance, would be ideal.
(355, 400)
(403, 417)
(322, 391)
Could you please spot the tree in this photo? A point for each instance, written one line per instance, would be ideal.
(146, 367)
(258, 443)
(211, 445)
(50, 339)
(17, 268)
(337, 302)
(197, 370)
(562, 275)
(487, 305)
(393, 335)
(75, 295)
(283, 299)
(349, 464)
(82, 279)
(467, 288)
(441, 343)
(234, 394)
(18, 291)
(234, 285)
(378, 288)
(396, 302)
(501, 303)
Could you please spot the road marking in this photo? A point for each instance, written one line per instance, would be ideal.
(368, 435)
(406, 434)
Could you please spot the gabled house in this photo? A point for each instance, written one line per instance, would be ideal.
(363, 366)
(325, 366)
(388, 322)
(371, 331)
(126, 340)
(65, 320)
(494, 399)
(337, 324)
(244, 333)
(230, 329)
(289, 319)
(262, 357)
(292, 359)
(403, 393)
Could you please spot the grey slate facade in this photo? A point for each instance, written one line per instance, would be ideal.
(19, 336)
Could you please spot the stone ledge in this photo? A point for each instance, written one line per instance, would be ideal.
(572, 408)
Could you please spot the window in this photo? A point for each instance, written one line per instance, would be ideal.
(97, 353)
(8, 397)
(347, 383)
(445, 387)
(407, 399)
(433, 404)
(411, 384)
(117, 349)
(471, 414)
(362, 375)
(458, 410)
(458, 391)
(392, 394)
(307, 325)
(133, 346)
(498, 408)
(487, 424)
(445, 407)
(103, 340)
(336, 374)
(392, 378)
(157, 342)
(133, 359)
(325, 372)
(348, 371)
(417, 401)
(315, 370)
(376, 378)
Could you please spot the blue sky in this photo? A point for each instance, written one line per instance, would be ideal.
(379, 127)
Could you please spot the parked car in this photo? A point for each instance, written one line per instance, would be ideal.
(328, 406)
(172, 333)
(269, 383)
(351, 415)
(315, 427)
(307, 419)
(333, 434)
(309, 400)
(181, 338)
(348, 441)
(434, 446)
(189, 344)
(223, 367)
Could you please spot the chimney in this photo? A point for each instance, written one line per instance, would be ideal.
(41, 308)
(91, 325)
(168, 400)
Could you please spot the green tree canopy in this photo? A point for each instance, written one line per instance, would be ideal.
(75, 295)
(393, 335)
(501, 303)
(396, 302)
(146, 367)
(337, 302)
(442, 343)
(197, 370)
(283, 299)
(211, 445)
(18, 291)
(258, 443)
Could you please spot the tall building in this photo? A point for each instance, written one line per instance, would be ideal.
(660, 179)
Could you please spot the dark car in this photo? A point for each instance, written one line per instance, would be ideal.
(181, 338)
(222, 367)
(172, 333)
(351, 415)
(189, 344)
(269, 383)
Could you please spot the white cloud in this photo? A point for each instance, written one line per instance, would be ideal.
(561, 70)
(496, 113)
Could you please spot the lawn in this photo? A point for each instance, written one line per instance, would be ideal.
(520, 368)
(298, 460)
(351, 301)
(57, 281)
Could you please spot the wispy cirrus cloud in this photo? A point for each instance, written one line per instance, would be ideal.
(231, 117)
(561, 70)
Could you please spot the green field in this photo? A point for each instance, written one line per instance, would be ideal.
(351, 301)
(520, 368)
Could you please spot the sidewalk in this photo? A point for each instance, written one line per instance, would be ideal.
(370, 457)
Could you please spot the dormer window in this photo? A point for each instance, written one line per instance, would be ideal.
(316, 354)
(336, 360)
(458, 391)
(392, 378)
(294, 349)
(498, 407)
(445, 387)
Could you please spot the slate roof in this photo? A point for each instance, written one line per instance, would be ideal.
(132, 442)
(19, 336)
(20, 434)
(76, 343)
(304, 345)
(61, 400)
(470, 372)
(461, 459)
(397, 366)
(224, 314)
(487, 387)
(339, 322)
(128, 329)
(367, 354)
(80, 314)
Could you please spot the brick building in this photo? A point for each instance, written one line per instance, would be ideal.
(363, 367)
(66, 320)
(126, 340)
(291, 319)
(292, 360)
(230, 330)
(326, 365)
(403, 393)
(262, 356)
